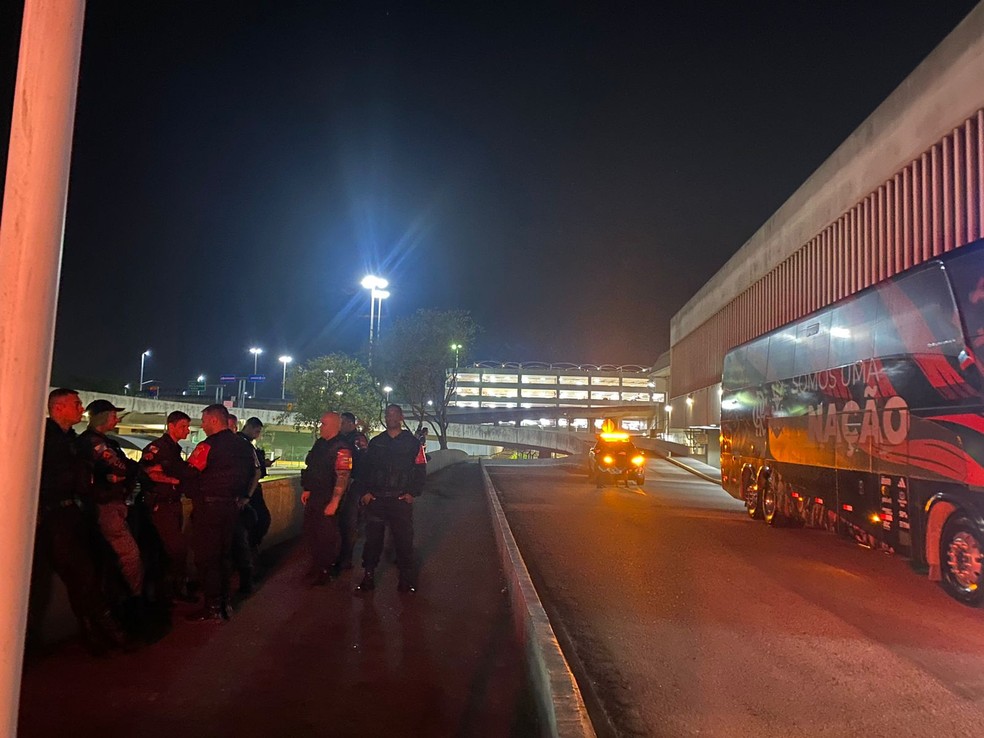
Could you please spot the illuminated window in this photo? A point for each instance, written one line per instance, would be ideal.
(499, 404)
(467, 391)
(540, 393)
(471, 403)
(635, 397)
(539, 379)
(604, 381)
(659, 397)
(574, 380)
(635, 382)
(604, 395)
(500, 378)
(500, 392)
(573, 394)
(469, 378)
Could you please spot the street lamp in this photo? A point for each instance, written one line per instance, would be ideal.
(126, 388)
(201, 383)
(456, 347)
(285, 360)
(387, 389)
(377, 291)
(143, 357)
(256, 355)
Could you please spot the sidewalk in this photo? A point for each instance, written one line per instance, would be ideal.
(298, 661)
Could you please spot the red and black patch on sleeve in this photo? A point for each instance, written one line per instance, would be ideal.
(343, 460)
(199, 457)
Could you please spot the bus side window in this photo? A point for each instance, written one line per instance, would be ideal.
(851, 325)
(918, 316)
(812, 344)
(782, 351)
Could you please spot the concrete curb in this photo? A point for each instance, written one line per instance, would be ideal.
(695, 472)
(558, 697)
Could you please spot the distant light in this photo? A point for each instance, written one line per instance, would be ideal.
(430, 402)
(146, 353)
(338, 392)
(256, 350)
(201, 377)
(690, 401)
(379, 294)
(286, 359)
(387, 388)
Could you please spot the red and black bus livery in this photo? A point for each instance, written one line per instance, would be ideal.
(867, 417)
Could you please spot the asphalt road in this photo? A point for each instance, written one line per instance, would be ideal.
(681, 616)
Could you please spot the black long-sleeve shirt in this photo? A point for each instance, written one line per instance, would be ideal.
(394, 466)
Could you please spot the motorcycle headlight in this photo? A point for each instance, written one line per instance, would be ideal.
(607, 459)
(639, 460)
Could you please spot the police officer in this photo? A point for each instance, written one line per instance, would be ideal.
(348, 512)
(242, 550)
(393, 473)
(227, 474)
(324, 481)
(165, 474)
(252, 429)
(113, 479)
(63, 532)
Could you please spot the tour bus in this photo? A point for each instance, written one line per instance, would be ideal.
(867, 418)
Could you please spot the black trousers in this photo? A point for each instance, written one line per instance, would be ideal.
(213, 526)
(168, 518)
(398, 515)
(263, 518)
(66, 541)
(321, 533)
(348, 525)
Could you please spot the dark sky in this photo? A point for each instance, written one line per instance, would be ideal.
(570, 173)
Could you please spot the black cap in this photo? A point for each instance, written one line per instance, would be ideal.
(101, 406)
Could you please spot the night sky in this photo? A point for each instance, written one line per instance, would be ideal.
(570, 173)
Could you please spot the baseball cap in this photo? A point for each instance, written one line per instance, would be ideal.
(101, 406)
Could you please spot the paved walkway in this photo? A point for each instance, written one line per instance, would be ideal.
(297, 661)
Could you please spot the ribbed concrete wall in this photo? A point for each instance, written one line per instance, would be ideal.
(943, 93)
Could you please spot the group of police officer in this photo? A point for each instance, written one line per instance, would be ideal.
(123, 557)
(88, 486)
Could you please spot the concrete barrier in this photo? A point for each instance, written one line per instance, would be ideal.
(558, 697)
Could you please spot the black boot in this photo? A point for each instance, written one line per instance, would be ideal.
(368, 583)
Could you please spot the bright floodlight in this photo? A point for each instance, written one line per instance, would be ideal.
(201, 377)
(380, 294)
(146, 353)
(286, 359)
(371, 282)
(387, 389)
(255, 351)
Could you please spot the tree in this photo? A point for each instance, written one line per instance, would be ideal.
(417, 358)
(334, 382)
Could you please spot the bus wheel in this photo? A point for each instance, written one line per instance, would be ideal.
(769, 495)
(753, 499)
(962, 558)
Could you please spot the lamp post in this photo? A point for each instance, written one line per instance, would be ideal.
(285, 360)
(201, 383)
(377, 291)
(256, 355)
(387, 389)
(126, 388)
(456, 347)
(143, 357)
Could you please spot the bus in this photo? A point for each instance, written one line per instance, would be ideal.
(867, 418)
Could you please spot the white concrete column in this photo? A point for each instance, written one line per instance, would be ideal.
(31, 232)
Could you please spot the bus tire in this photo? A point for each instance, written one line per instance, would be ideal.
(962, 560)
(769, 493)
(751, 495)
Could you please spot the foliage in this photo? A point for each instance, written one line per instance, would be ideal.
(415, 356)
(334, 382)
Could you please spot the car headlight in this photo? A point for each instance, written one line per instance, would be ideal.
(607, 459)
(639, 460)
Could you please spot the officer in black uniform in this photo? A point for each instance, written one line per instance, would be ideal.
(324, 481)
(63, 534)
(348, 513)
(392, 476)
(252, 429)
(114, 478)
(227, 475)
(164, 477)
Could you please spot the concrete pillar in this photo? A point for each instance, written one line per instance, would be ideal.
(31, 232)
